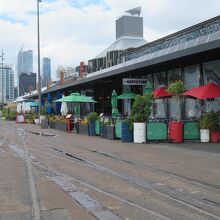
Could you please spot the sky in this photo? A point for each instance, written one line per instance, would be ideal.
(77, 30)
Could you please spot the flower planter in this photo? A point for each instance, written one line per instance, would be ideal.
(110, 132)
(29, 121)
(44, 123)
(191, 131)
(37, 121)
(52, 124)
(61, 126)
(156, 131)
(139, 132)
(83, 129)
(175, 133)
(214, 136)
(92, 128)
(103, 131)
(126, 132)
(204, 135)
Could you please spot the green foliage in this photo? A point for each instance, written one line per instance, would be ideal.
(29, 116)
(43, 110)
(176, 88)
(141, 108)
(4, 113)
(210, 121)
(92, 116)
(130, 120)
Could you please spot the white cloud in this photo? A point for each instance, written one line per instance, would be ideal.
(72, 34)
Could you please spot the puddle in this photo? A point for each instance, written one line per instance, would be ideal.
(42, 134)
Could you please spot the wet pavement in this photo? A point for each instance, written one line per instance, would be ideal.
(71, 176)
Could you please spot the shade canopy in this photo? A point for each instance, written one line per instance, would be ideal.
(58, 104)
(76, 97)
(11, 105)
(161, 93)
(148, 89)
(209, 91)
(33, 104)
(114, 103)
(127, 95)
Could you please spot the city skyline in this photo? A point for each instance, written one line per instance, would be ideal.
(71, 38)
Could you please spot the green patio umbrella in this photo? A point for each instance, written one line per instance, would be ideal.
(127, 95)
(114, 104)
(76, 97)
(148, 88)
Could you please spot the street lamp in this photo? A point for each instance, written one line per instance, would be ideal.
(2, 56)
(38, 46)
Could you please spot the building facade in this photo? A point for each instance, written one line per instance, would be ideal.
(6, 83)
(46, 71)
(25, 62)
(27, 83)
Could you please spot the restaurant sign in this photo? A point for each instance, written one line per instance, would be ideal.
(134, 82)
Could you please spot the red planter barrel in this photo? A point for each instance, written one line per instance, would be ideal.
(175, 133)
(214, 136)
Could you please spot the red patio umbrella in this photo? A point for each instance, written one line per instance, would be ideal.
(209, 91)
(161, 93)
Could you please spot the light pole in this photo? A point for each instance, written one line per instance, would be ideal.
(2, 56)
(38, 47)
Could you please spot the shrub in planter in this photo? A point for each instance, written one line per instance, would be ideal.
(83, 127)
(214, 127)
(140, 113)
(204, 125)
(176, 128)
(29, 118)
(92, 116)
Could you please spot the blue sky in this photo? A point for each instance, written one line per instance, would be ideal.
(74, 31)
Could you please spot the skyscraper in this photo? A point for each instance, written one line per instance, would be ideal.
(7, 85)
(27, 83)
(46, 71)
(25, 62)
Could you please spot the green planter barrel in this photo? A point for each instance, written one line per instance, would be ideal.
(191, 131)
(97, 127)
(118, 129)
(156, 131)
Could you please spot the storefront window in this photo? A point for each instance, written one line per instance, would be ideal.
(192, 108)
(160, 106)
(211, 72)
(160, 80)
(191, 76)
(174, 75)
(174, 111)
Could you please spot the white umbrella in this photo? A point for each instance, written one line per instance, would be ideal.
(23, 107)
(19, 108)
(64, 109)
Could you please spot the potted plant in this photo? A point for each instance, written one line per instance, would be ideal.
(29, 118)
(36, 119)
(204, 125)
(61, 123)
(214, 126)
(175, 133)
(140, 113)
(83, 127)
(92, 116)
(109, 129)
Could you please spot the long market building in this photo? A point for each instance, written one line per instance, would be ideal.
(191, 55)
